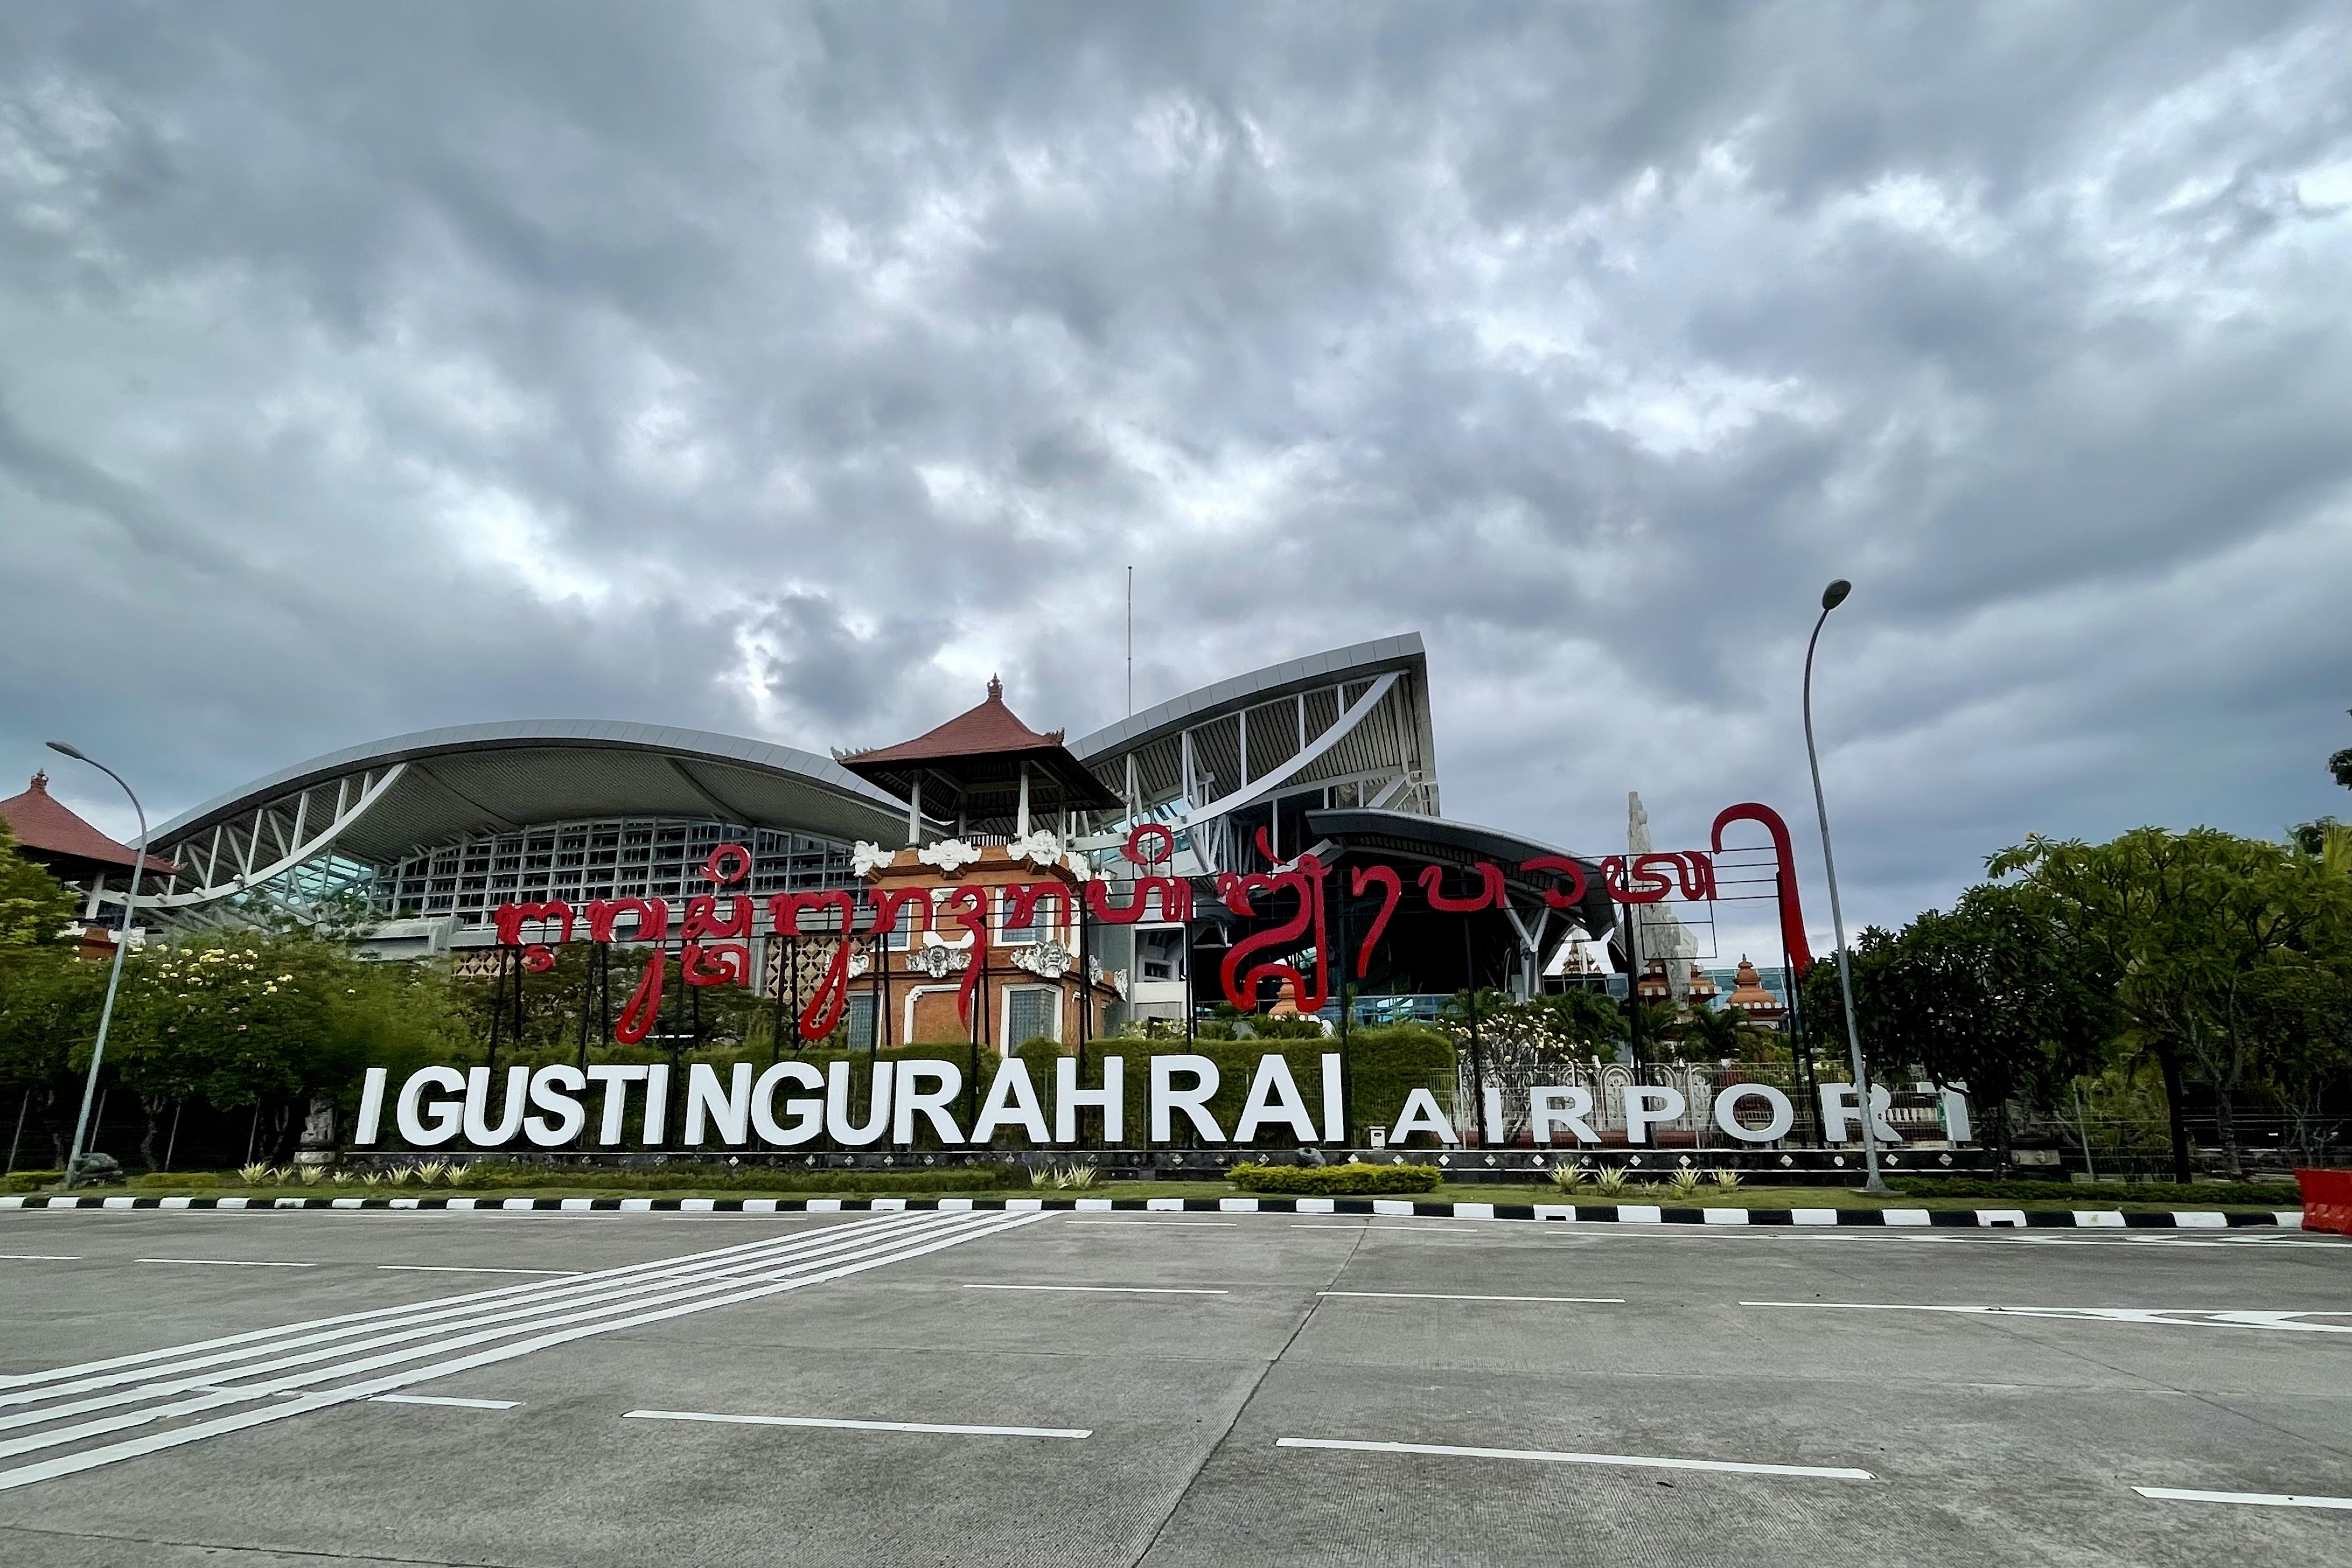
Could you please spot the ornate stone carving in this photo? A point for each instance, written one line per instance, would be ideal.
(1049, 959)
(951, 855)
(1039, 849)
(939, 962)
(866, 859)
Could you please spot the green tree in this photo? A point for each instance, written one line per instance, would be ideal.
(1722, 1035)
(34, 905)
(2191, 932)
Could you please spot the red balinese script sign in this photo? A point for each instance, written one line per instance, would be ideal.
(715, 933)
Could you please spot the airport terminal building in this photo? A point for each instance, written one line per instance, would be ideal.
(412, 843)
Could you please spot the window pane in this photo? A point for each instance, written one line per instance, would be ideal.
(1032, 1015)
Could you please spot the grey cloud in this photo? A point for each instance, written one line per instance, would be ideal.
(789, 370)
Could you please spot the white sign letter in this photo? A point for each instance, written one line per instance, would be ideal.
(836, 1107)
(657, 1124)
(449, 1116)
(1012, 1101)
(1335, 1119)
(1273, 1101)
(478, 1131)
(1070, 1099)
(910, 1101)
(1647, 1106)
(1839, 1117)
(552, 1089)
(1544, 1113)
(729, 1110)
(1776, 1125)
(1421, 1115)
(371, 1104)
(808, 1113)
(616, 1082)
(1193, 1102)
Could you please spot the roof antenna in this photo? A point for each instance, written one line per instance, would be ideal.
(1130, 640)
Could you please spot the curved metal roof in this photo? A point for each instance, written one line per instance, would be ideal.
(486, 777)
(1356, 661)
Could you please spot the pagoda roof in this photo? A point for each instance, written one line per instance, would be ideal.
(976, 754)
(42, 822)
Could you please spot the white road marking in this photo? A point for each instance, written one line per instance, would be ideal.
(861, 1425)
(445, 1399)
(1414, 1229)
(2259, 1499)
(617, 1299)
(1228, 1223)
(1111, 1290)
(225, 1262)
(2169, 1317)
(1637, 1461)
(38, 1257)
(1428, 1296)
(454, 1269)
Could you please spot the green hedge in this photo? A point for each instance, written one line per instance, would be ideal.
(1333, 1181)
(2265, 1195)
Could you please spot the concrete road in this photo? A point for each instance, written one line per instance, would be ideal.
(301, 1387)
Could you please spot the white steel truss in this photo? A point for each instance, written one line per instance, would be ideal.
(248, 852)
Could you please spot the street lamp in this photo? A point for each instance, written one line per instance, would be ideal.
(114, 976)
(1832, 597)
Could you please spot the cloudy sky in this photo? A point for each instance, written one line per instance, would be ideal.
(785, 370)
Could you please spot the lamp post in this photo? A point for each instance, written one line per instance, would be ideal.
(114, 974)
(1832, 597)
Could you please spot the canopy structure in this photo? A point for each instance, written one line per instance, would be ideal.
(983, 770)
(1349, 726)
(447, 821)
(48, 832)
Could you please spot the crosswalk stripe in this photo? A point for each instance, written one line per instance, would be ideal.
(377, 1315)
(512, 1301)
(844, 1239)
(942, 1232)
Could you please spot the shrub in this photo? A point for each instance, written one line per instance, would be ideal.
(1568, 1178)
(1323, 1181)
(2259, 1195)
(30, 1181)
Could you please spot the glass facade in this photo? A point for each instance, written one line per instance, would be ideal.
(624, 857)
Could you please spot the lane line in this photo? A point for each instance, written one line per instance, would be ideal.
(454, 1269)
(1408, 1229)
(1636, 1461)
(38, 1257)
(911, 1246)
(1139, 1224)
(948, 1428)
(1431, 1296)
(225, 1262)
(450, 1400)
(2257, 1498)
(1110, 1290)
(2166, 1317)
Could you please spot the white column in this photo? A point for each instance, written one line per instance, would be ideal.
(914, 814)
(1021, 817)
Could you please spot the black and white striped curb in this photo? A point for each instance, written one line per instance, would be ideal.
(1605, 1214)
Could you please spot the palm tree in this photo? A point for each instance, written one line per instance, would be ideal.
(1718, 1033)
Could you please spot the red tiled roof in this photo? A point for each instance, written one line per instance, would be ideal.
(42, 822)
(989, 727)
